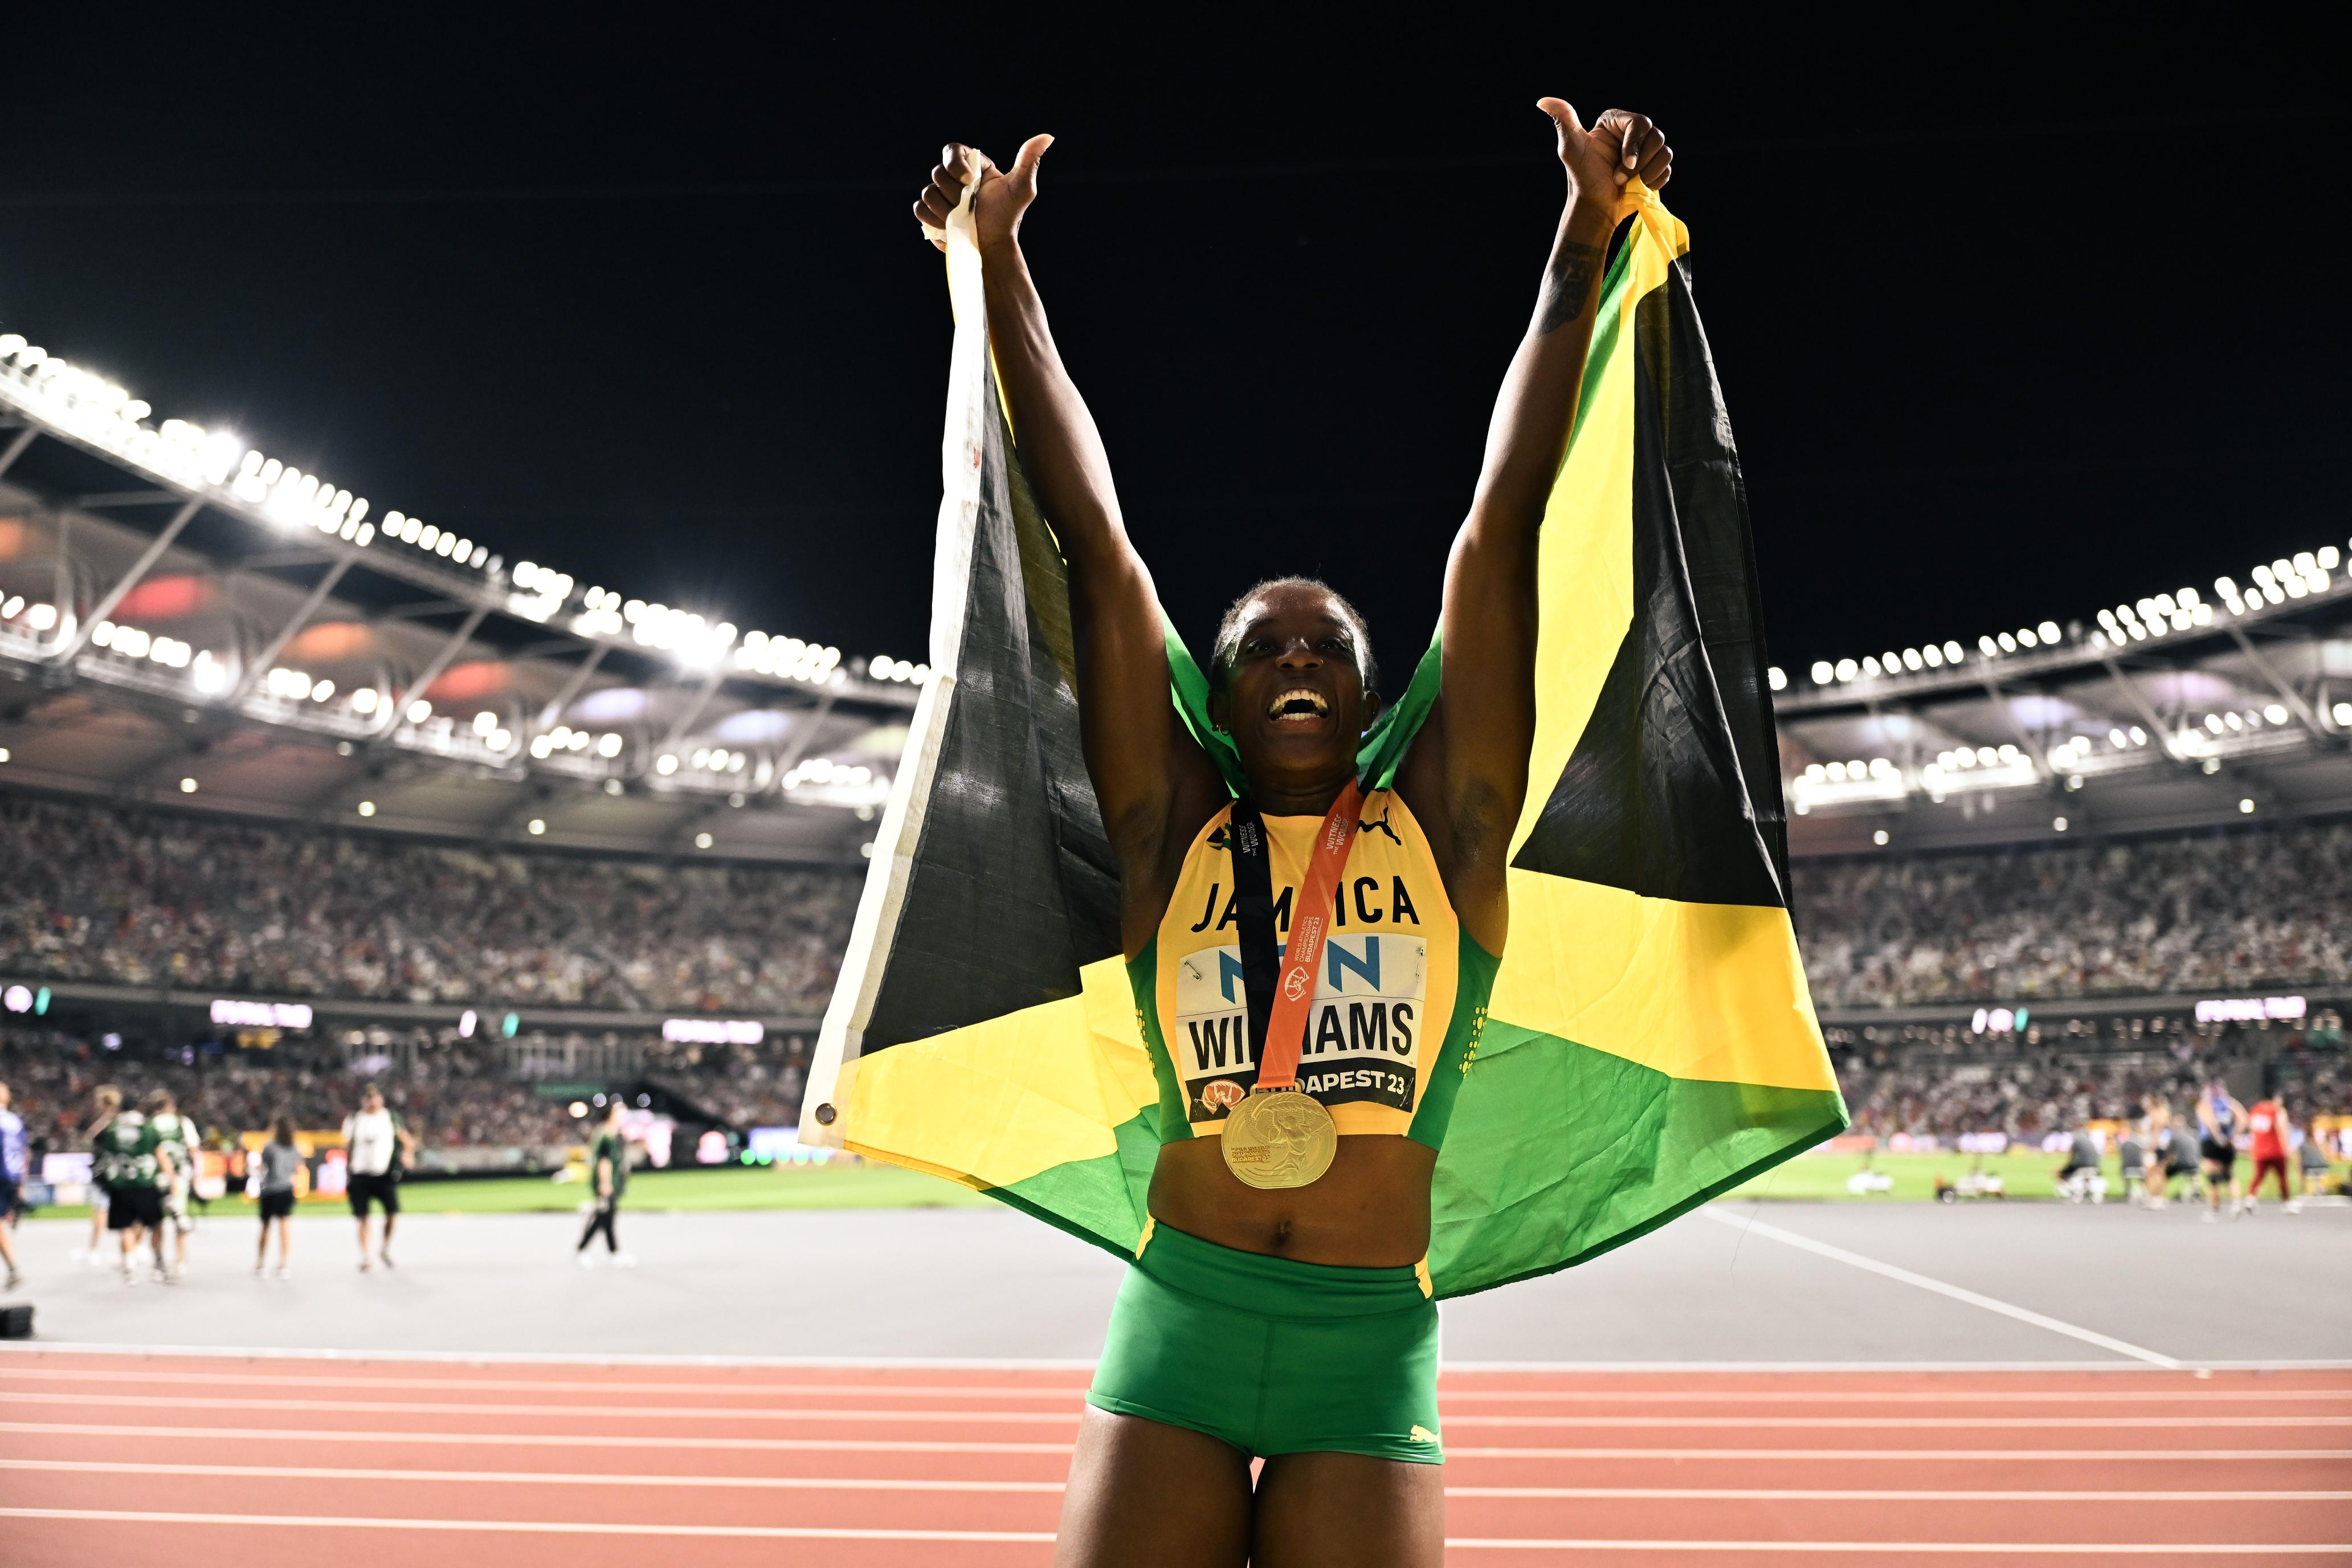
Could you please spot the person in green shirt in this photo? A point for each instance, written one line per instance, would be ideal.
(608, 1173)
(135, 1165)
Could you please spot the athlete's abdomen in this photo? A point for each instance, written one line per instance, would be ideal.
(1370, 1210)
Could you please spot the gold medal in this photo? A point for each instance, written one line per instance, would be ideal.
(1279, 1138)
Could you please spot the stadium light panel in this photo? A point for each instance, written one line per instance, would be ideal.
(1879, 837)
(702, 841)
(188, 786)
(538, 826)
(2246, 807)
(367, 808)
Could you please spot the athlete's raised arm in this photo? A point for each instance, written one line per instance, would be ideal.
(1467, 775)
(1147, 771)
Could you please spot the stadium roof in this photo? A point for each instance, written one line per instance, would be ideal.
(187, 619)
(2177, 710)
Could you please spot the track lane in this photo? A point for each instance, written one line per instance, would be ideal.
(502, 1465)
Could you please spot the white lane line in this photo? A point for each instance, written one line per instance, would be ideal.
(2185, 1393)
(2090, 1456)
(1906, 1547)
(714, 1412)
(539, 1477)
(528, 1526)
(730, 1388)
(808, 1533)
(250, 1434)
(1766, 1494)
(1973, 1298)
(671, 1412)
(32, 1349)
(245, 1435)
(842, 1483)
(552, 1358)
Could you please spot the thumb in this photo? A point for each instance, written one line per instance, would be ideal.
(1563, 115)
(1033, 153)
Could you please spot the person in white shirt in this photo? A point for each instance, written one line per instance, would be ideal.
(375, 1143)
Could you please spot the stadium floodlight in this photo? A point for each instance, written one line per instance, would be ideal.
(188, 786)
(1934, 656)
(664, 764)
(1823, 672)
(1989, 647)
(1879, 837)
(1870, 666)
(367, 808)
(537, 826)
(1952, 654)
(2246, 807)
(702, 841)
(2342, 713)
(2057, 825)
(1847, 669)
(1777, 679)
(419, 712)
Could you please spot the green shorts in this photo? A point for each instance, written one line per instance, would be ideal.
(1273, 1356)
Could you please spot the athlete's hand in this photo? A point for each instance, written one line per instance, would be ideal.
(1620, 145)
(1004, 194)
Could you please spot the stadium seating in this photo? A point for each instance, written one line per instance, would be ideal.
(2214, 914)
(150, 899)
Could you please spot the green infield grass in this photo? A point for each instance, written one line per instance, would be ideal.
(844, 1186)
(1808, 1177)
(1819, 1177)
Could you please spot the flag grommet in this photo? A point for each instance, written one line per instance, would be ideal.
(825, 1115)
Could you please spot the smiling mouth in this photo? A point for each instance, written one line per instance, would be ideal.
(1299, 705)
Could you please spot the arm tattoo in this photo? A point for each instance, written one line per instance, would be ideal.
(1569, 278)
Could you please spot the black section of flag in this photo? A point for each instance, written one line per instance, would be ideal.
(1013, 887)
(1674, 789)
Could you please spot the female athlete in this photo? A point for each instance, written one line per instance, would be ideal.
(1282, 1312)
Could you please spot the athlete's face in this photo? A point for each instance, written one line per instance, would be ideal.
(1294, 698)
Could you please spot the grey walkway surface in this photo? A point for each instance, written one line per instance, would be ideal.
(926, 1283)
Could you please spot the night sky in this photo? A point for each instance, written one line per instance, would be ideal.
(2010, 326)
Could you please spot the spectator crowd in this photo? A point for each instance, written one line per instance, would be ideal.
(2214, 915)
(156, 900)
(2028, 1088)
(134, 898)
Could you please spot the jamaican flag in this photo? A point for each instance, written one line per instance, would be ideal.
(1650, 1042)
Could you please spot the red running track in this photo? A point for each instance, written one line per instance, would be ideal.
(269, 1462)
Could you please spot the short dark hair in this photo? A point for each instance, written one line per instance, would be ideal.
(1229, 630)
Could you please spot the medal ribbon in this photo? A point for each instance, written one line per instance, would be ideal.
(1281, 987)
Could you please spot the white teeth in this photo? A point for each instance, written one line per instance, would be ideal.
(1297, 694)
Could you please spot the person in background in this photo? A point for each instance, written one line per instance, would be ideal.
(2080, 1172)
(2220, 1119)
(276, 1163)
(2267, 1129)
(107, 1101)
(2311, 1154)
(2131, 1151)
(376, 1142)
(15, 1168)
(137, 1167)
(608, 1173)
(177, 1134)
